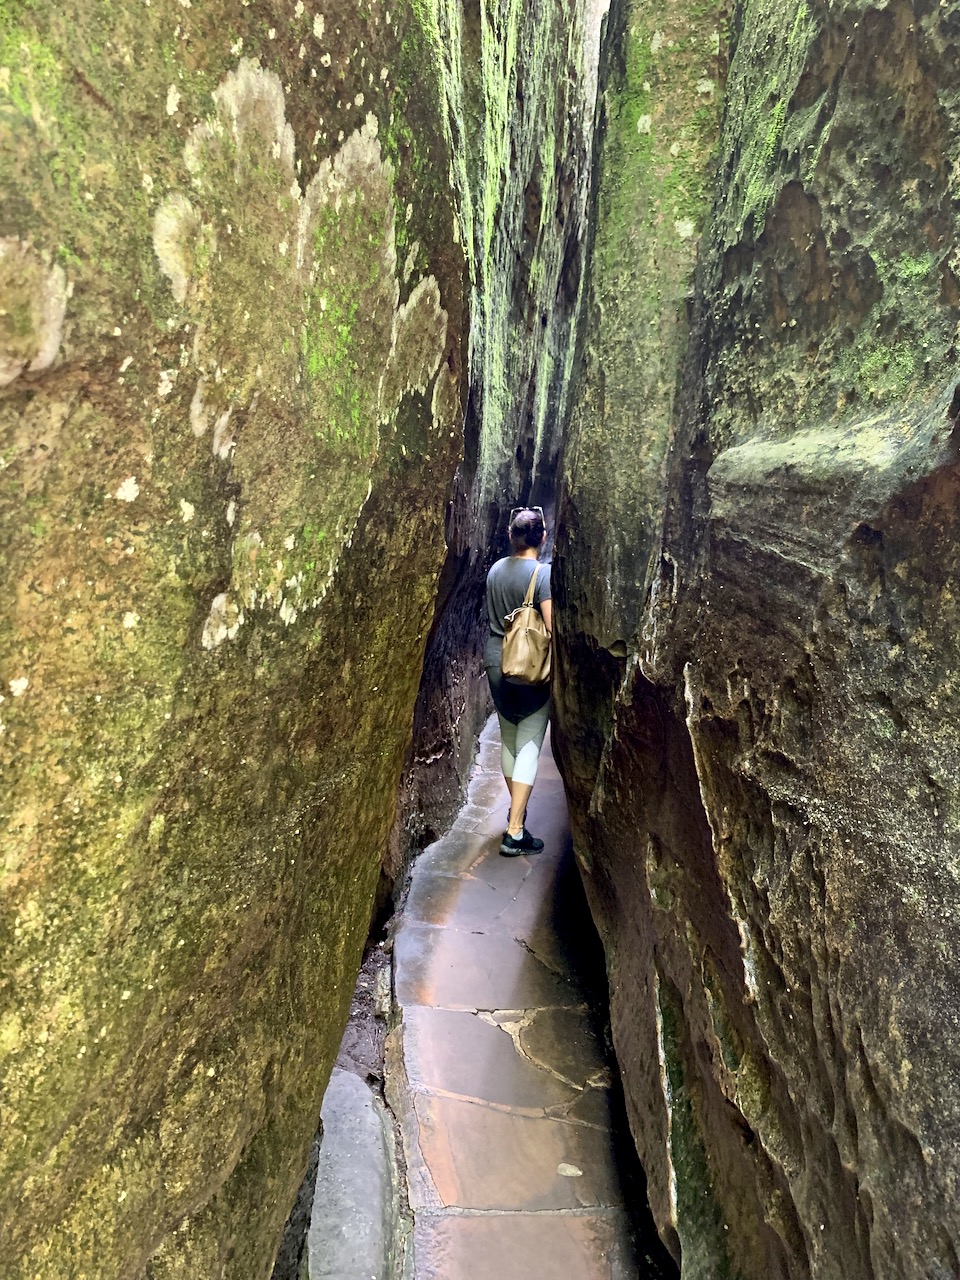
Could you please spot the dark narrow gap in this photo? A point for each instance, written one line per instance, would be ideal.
(426, 808)
(576, 930)
(293, 1243)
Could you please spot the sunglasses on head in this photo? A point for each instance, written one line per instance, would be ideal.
(539, 511)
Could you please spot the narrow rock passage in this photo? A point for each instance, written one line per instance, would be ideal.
(495, 1068)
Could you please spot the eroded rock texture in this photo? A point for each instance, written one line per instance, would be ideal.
(232, 352)
(758, 577)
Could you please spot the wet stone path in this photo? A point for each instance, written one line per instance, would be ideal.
(495, 1067)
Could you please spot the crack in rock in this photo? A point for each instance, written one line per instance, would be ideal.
(550, 968)
(514, 1026)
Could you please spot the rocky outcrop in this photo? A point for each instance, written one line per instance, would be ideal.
(758, 569)
(232, 346)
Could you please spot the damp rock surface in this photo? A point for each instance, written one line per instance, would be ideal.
(757, 705)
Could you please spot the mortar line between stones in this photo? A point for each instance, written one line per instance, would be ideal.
(584, 1211)
(527, 1113)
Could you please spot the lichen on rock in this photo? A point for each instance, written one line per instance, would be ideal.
(219, 534)
(350, 351)
(33, 304)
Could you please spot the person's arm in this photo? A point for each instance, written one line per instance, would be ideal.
(546, 608)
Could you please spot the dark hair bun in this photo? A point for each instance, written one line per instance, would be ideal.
(526, 529)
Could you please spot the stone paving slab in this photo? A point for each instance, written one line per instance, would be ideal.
(592, 1107)
(457, 851)
(511, 874)
(564, 1041)
(542, 1246)
(480, 1157)
(450, 970)
(456, 902)
(462, 1054)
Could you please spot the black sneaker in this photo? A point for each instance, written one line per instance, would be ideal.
(515, 846)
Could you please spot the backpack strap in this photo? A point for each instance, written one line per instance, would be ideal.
(528, 598)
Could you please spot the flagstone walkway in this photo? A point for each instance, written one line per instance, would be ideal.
(495, 1069)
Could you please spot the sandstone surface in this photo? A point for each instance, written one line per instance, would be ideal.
(233, 354)
(758, 576)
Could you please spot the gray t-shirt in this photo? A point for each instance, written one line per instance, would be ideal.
(507, 584)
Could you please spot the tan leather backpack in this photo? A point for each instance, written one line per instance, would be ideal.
(526, 642)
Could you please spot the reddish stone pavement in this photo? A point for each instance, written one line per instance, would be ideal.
(495, 1070)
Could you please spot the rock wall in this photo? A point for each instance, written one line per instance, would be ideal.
(233, 355)
(758, 575)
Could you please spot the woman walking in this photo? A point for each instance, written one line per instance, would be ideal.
(523, 709)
